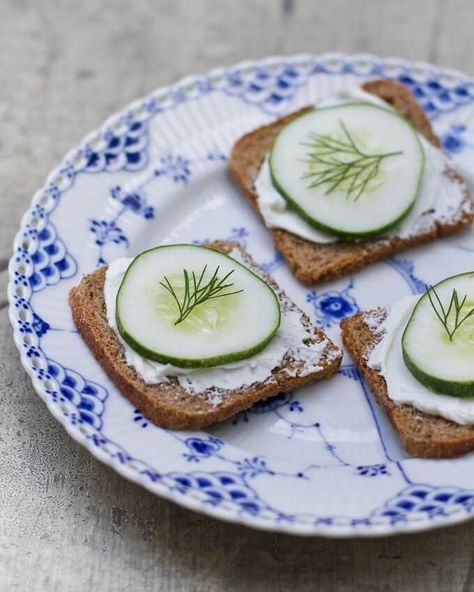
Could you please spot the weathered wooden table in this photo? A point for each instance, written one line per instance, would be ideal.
(67, 523)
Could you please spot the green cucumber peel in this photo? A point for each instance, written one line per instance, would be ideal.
(446, 318)
(160, 353)
(333, 229)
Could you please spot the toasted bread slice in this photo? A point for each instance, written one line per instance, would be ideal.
(422, 434)
(312, 262)
(169, 404)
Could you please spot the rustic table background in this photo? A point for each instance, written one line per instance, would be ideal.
(68, 523)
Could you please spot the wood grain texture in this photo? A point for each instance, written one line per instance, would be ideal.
(67, 523)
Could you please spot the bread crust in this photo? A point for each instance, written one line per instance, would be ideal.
(423, 435)
(169, 405)
(311, 262)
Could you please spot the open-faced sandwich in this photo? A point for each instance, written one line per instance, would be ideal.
(418, 358)
(351, 182)
(192, 335)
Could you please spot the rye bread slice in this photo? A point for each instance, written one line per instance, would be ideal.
(311, 262)
(422, 434)
(169, 404)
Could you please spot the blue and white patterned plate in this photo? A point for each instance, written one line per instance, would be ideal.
(323, 460)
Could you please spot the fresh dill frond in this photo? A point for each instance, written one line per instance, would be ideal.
(196, 291)
(450, 316)
(341, 163)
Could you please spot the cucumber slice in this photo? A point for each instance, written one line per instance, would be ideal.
(222, 313)
(437, 354)
(352, 170)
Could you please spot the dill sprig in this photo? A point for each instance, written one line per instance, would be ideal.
(341, 163)
(196, 291)
(451, 325)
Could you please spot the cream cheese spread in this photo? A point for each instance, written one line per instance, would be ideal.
(439, 197)
(402, 387)
(291, 338)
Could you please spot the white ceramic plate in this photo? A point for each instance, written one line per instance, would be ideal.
(323, 460)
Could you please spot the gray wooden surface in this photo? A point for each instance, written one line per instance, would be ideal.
(68, 523)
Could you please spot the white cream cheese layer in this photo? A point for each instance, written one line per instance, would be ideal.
(402, 386)
(257, 368)
(439, 197)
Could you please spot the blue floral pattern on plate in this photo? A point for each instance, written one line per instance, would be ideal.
(332, 306)
(210, 473)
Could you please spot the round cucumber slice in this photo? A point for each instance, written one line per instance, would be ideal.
(438, 341)
(194, 307)
(352, 170)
